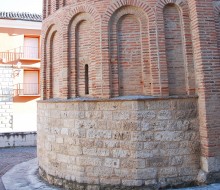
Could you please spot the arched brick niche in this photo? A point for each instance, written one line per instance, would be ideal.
(47, 64)
(81, 56)
(55, 65)
(174, 50)
(150, 82)
(174, 31)
(51, 64)
(130, 70)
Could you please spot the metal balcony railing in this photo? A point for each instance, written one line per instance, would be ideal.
(27, 89)
(22, 52)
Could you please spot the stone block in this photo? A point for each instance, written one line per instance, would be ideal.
(111, 144)
(142, 136)
(63, 158)
(88, 180)
(88, 161)
(120, 153)
(151, 145)
(99, 134)
(133, 163)
(169, 136)
(121, 135)
(101, 172)
(79, 133)
(130, 126)
(168, 172)
(88, 124)
(111, 162)
(145, 126)
(158, 161)
(59, 140)
(95, 151)
(132, 182)
(146, 115)
(148, 173)
(131, 145)
(110, 181)
(143, 154)
(164, 114)
(93, 115)
(176, 161)
(121, 115)
(150, 182)
(125, 173)
(64, 131)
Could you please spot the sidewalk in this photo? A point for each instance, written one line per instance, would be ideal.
(25, 177)
(9, 157)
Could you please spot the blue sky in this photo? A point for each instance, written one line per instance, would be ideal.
(32, 6)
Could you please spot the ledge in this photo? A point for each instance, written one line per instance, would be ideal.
(119, 98)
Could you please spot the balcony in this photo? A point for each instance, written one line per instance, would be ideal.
(27, 89)
(21, 53)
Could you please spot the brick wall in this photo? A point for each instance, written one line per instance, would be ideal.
(6, 96)
(158, 43)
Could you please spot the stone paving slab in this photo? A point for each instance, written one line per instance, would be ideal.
(25, 177)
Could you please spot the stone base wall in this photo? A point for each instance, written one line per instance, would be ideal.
(145, 142)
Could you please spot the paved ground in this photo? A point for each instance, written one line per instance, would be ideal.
(10, 157)
(25, 176)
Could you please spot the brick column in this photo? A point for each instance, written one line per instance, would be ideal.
(207, 70)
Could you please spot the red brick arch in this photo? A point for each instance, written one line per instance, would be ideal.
(75, 15)
(44, 65)
(74, 68)
(132, 85)
(182, 6)
(51, 27)
(153, 61)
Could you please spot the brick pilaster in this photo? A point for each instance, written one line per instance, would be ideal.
(206, 57)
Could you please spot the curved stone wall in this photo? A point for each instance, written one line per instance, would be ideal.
(119, 142)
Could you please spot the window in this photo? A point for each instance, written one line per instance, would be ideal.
(86, 79)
